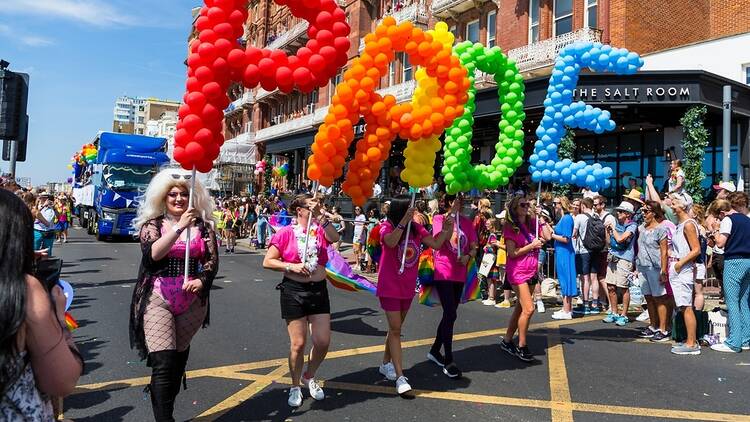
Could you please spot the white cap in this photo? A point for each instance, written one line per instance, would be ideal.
(727, 186)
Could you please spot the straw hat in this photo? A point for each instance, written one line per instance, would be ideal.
(634, 195)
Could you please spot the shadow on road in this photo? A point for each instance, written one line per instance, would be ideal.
(355, 326)
(102, 284)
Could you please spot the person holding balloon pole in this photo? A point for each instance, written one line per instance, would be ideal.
(522, 271)
(169, 304)
(300, 252)
(451, 262)
(401, 237)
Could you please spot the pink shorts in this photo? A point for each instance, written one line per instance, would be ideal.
(392, 304)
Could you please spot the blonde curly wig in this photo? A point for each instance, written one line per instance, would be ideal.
(154, 202)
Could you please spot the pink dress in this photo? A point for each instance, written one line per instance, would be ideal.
(447, 266)
(391, 284)
(170, 288)
(521, 269)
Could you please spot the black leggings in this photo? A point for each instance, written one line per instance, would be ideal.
(450, 297)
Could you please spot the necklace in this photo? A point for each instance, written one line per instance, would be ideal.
(311, 259)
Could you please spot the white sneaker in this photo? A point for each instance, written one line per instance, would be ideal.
(388, 371)
(295, 397)
(402, 385)
(643, 317)
(488, 302)
(579, 301)
(540, 307)
(315, 391)
(562, 315)
(721, 347)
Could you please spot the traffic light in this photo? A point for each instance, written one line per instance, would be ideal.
(14, 124)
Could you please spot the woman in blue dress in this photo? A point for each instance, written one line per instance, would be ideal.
(565, 258)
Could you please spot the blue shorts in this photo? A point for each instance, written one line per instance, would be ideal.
(587, 263)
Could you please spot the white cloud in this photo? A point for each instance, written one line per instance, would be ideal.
(23, 38)
(92, 12)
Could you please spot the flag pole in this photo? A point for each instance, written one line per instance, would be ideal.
(309, 224)
(538, 198)
(458, 228)
(187, 232)
(406, 239)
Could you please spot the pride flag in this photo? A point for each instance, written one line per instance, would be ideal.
(428, 295)
(341, 275)
(373, 243)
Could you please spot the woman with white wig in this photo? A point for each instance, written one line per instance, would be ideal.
(166, 310)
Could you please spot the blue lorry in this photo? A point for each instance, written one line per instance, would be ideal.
(107, 190)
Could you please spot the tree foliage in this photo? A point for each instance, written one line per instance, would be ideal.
(267, 176)
(566, 149)
(694, 145)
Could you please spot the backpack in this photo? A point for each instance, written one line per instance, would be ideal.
(703, 242)
(595, 239)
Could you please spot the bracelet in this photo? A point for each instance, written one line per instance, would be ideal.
(326, 224)
(177, 230)
(288, 268)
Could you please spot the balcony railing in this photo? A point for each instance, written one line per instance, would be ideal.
(543, 53)
(442, 6)
(246, 98)
(415, 12)
(263, 94)
(403, 91)
(289, 36)
(290, 126)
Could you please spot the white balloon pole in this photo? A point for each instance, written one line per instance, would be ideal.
(457, 223)
(538, 198)
(309, 223)
(187, 232)
(406, 239)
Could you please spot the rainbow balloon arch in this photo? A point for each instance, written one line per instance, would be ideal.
(442, 106)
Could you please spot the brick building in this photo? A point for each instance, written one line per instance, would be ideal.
(531, 32)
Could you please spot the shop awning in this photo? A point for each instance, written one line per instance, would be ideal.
(290, 143)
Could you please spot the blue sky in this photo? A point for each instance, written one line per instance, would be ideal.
(81, 55)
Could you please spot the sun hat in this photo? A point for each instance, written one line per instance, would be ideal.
(728, 186)
(626, 207)
(634, 195)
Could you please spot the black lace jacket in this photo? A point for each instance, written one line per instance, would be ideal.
(150, 269)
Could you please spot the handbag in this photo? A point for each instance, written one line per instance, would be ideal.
(488, 261)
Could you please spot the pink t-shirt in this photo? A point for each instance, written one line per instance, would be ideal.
(391, 284)
(522, 268)
(447, 266)
(286, 242)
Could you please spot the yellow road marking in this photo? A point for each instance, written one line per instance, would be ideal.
(241, 396)
(562, 411)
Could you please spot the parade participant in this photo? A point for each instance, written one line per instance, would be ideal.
(396, 290)
(218, 217)
(421, 215)
(233, 225)
(359, 228)
(734, 237)
(450, 276)
(63, 220)
(565, 257)
(304, 294)
(587, 261)
(676, 180)
(166, 310)
(493, 246)
(251, 217)
(372, 221)
(652, 265)
(522, 271)
(339, 225)
(38, 358)
(600, 209)
(261, 228)
(686, 249)
(698, 213)
(620, 262)
(44, 223)
(502, 258)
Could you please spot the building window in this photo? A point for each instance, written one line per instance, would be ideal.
(472, 31)
(408, 73)
(334, 82)
(491, 28)
(563, 10)
(747, 74)
(590, 16)
(453, 30)
(533, 21)
(392, 73)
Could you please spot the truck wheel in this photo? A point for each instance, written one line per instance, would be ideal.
(90, 226)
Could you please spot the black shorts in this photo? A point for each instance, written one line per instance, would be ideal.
(299, 300)
(587, 263)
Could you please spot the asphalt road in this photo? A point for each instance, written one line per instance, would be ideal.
(586, 370)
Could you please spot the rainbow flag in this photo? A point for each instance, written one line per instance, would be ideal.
(472, 290)
(341, 275)
(373, 243)
(426, 267)
(70, 322)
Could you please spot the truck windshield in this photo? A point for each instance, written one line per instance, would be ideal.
(128, 177)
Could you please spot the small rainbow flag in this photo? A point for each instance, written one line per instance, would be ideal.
(426, 267)
(341, 275)
(70, 322)
(428, 296)
(373, 243)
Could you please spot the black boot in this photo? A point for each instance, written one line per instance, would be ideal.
(182, 359)
(165, 383)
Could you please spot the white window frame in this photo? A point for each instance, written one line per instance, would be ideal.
(532, 25)
(335, 81)
(556, 18)
(404, 59)
(588, 5)
(392, 73)
(494, 37)
(479, 30)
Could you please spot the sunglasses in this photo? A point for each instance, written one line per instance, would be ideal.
(182, 176)
(176, 194)
(596, 204)
(524, 205)
(556, 202)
